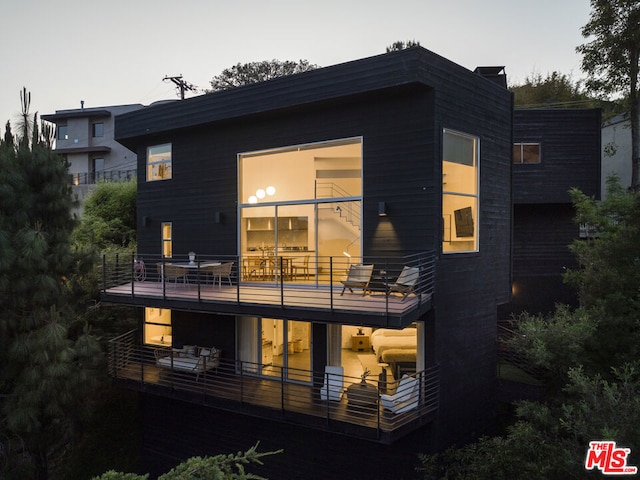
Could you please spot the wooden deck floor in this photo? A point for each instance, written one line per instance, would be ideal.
(286, 296)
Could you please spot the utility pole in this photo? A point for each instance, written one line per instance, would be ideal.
(182, 85)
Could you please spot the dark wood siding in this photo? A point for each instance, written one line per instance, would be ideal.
(398, 167)
(570, 150)
(398, 104)
(175, 431)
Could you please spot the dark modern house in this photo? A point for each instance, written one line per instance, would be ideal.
(294, 235)
(555, 150)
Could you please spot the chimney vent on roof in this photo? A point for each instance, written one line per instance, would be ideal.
(495, 74)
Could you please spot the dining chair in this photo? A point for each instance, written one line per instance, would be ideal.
(220, 271)
(304, 268)
(175, 272)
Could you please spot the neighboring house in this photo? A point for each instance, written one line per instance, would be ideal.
(555, 150)
(616, 150)
(258, 206)
(85, 137)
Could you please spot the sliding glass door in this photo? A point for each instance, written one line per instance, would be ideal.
(275, 348)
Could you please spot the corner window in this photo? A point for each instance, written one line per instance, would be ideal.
(167, 242)
(526, 153)
(98, 129)
(159, 162)
(460, 192)
(63, 132)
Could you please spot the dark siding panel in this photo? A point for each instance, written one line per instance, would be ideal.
(175, 431)
(398, 169)
(399, 105)
(571, 142)
(189, 328)
(541, 238)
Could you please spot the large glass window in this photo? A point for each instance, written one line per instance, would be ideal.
(299, 207)
(460, 192)
(159, 162)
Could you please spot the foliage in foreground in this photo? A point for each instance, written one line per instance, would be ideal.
(49, 359)
(218, 467)
(589, 355)
(550, 441)
(109, 217)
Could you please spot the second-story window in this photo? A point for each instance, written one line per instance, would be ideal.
(526, 153)
(159, 162)
(98, 129)
(63, 132)
(167, 242)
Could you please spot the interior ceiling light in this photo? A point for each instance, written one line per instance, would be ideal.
(260, 193)
(253, 199)
(271, 190)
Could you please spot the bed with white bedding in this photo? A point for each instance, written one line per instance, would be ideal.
(385, 339)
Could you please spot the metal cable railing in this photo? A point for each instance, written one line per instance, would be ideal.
(241, 383)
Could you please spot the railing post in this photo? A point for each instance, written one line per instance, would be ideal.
(241, 381)
(104, 273)
(133, 274)
(331, 284)
(238, 279)
(282, 374)
(140, 359)
(281, 282)
(198, 281)
(163, 277)
(117, 268)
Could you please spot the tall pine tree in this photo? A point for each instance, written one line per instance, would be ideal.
(48, 362)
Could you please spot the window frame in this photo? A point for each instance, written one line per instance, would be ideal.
(474, 194)
(164, 164)
(97, 129)
(166, 240)
(63, 132)
(522, 146)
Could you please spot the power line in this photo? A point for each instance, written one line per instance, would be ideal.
(182, 85)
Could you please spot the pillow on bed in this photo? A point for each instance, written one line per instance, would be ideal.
(386, 332)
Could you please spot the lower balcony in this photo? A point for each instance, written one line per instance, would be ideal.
(342, 404)
(293, 286)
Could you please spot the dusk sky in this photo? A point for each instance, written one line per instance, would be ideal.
(118, 52)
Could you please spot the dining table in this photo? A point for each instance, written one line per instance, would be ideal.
(189, 267)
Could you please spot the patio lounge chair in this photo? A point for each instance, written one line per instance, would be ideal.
(333, 383)
(406, 282)
(406, 397)
(359, 277)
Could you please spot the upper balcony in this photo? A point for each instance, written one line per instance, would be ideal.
(97, 176)
(293, 285)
